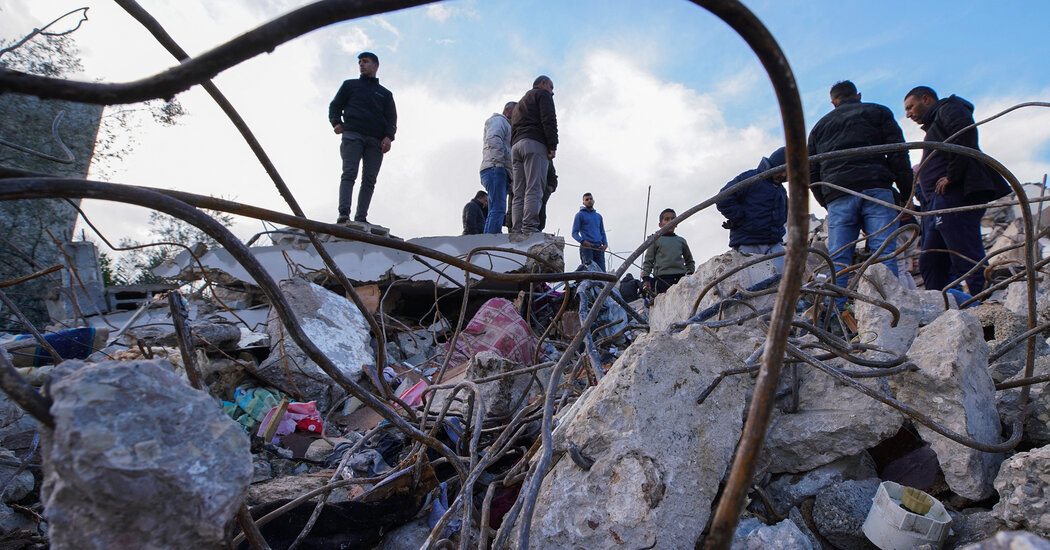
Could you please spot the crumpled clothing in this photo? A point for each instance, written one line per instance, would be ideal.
(438, 507)
(302, 416)
(497, 327)
(251, 404)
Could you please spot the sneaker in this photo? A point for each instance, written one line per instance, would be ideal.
(360, 219)
(341, 220)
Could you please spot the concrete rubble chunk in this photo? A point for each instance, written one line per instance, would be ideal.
(972, 525)
(1024, 501)
(675, 305)
(1037, 413)
(18, 486)
(954, 389)
(1011, 540)
(1017, 299)
(789, 490)
(875, 320)
(832, 421)
(840, 510)
(658, 456)
(335, 325)
(752, 534)
(138, 459)
(210, 335)
(500, 396)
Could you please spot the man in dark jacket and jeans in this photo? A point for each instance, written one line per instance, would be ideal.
(949, 180)
(855, 124)
(755, 216)
(364, 113)
(534, 142)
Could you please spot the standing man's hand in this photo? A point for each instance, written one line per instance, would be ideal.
(551, 153)
(585, 244)
(603, 247)
(942, 185)
(338, 128)
(384, 145)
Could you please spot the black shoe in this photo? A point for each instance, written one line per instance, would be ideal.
(360, 219)
(342, 220)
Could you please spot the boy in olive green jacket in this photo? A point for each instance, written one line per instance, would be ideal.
(667, 260)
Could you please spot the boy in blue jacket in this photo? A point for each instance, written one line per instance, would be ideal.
(589, 230)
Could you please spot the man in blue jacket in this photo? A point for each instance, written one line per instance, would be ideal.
(756, 215)
(589, 230)
(855, 124)
(364, 113)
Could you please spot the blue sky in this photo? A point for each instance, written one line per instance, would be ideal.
(658, 94)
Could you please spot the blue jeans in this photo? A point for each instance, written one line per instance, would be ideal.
(354, 148)
(847, 216)
(495, 181)
(588, 255)
(959, 232)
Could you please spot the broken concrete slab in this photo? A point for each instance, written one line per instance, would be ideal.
(954, 389)
(499, 396)
(872, 319)
(1011, 540)
(1024, 500)
(832, 421)
(752, 534)
(658, 456)
(789, 490)
(335, 325)
(676, 304)
(365, 263)
(1037, 414)
(16, 485)
(139, 459)
(209, 335)
(840, 510)
(972, 525)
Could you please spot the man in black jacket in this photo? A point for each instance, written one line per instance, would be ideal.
(534, 142)
(364, 113)
(475, 213)
(855, 124)
(949, 180)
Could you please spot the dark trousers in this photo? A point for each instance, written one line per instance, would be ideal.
(961, 234)
(354, 149)
(588, 255)
(661, 283)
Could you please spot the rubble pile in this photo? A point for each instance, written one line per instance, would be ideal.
(491, 417)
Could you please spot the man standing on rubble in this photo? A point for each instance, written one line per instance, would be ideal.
(496, 166)
(475, 213)
(364, 113)
(589, 230)
(855, 124)
(756, 215)
(949, 180)
(534, 141)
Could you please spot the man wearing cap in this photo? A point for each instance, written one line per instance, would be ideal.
(364, 113)
(855, 124)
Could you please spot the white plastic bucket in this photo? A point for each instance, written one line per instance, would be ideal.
(891, 527)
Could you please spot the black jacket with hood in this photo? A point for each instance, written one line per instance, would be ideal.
(856, 124)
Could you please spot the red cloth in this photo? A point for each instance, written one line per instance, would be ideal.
(496, 327)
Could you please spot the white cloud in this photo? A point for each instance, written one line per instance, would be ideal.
(353, 40)
(439, 12)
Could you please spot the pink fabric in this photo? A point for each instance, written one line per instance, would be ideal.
(413, 397)
(496, 327)
(303, 416)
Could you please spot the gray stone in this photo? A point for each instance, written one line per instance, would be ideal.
(139, 459)
(205, 335)
(286, 487)
(676, 304)
(658, 456)
(954, 389)
(18, 486)
(11, 520)
(1011, 540)
(1017, 299)
(972, 525)
(879, 282)
(500, 396)
(1024, 501)
(1037, 416)
(840, 510)
(832, 421)
(796, 517)
(752, 534)
(789, 490)
(335, 326)
(409, 536)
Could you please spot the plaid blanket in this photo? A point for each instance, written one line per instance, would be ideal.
(496, 327)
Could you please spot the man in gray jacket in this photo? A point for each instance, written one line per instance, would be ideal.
(496, 166)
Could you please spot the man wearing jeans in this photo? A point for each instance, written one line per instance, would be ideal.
(496, 166)
(534, 141)
(589, 230)
(364, 113)
(855, 124)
